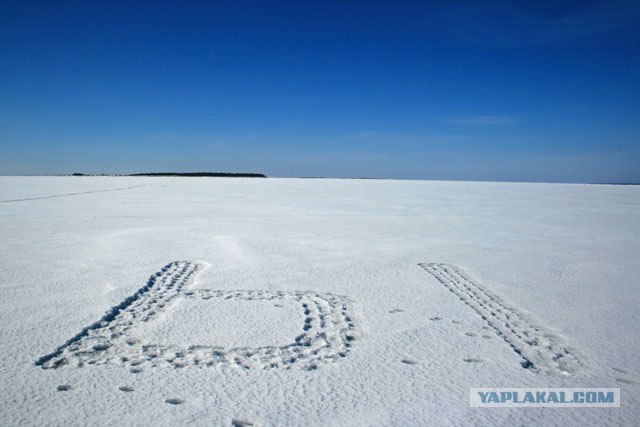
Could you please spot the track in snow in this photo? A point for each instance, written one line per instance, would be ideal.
(327, 333)
(542, 350)
(72, 194)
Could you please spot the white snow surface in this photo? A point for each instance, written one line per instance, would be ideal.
(313, 302)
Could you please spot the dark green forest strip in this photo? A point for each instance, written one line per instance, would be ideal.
(203, 174)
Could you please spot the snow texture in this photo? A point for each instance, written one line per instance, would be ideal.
(221, 301)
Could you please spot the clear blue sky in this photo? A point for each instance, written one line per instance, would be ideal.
(493, 90)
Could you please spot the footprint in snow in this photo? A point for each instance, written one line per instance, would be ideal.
(241, 423)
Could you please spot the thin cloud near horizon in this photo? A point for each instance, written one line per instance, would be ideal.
(479, 120)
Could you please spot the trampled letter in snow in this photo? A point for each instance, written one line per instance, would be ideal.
(542, 350)
(328, 329)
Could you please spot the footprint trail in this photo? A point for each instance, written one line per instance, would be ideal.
(327, 333)
(542, 351)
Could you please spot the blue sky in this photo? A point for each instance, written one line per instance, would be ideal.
(494, 90)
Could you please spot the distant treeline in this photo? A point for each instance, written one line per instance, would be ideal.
(203, 174)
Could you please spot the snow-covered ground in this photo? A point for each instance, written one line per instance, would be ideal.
(165, 301)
